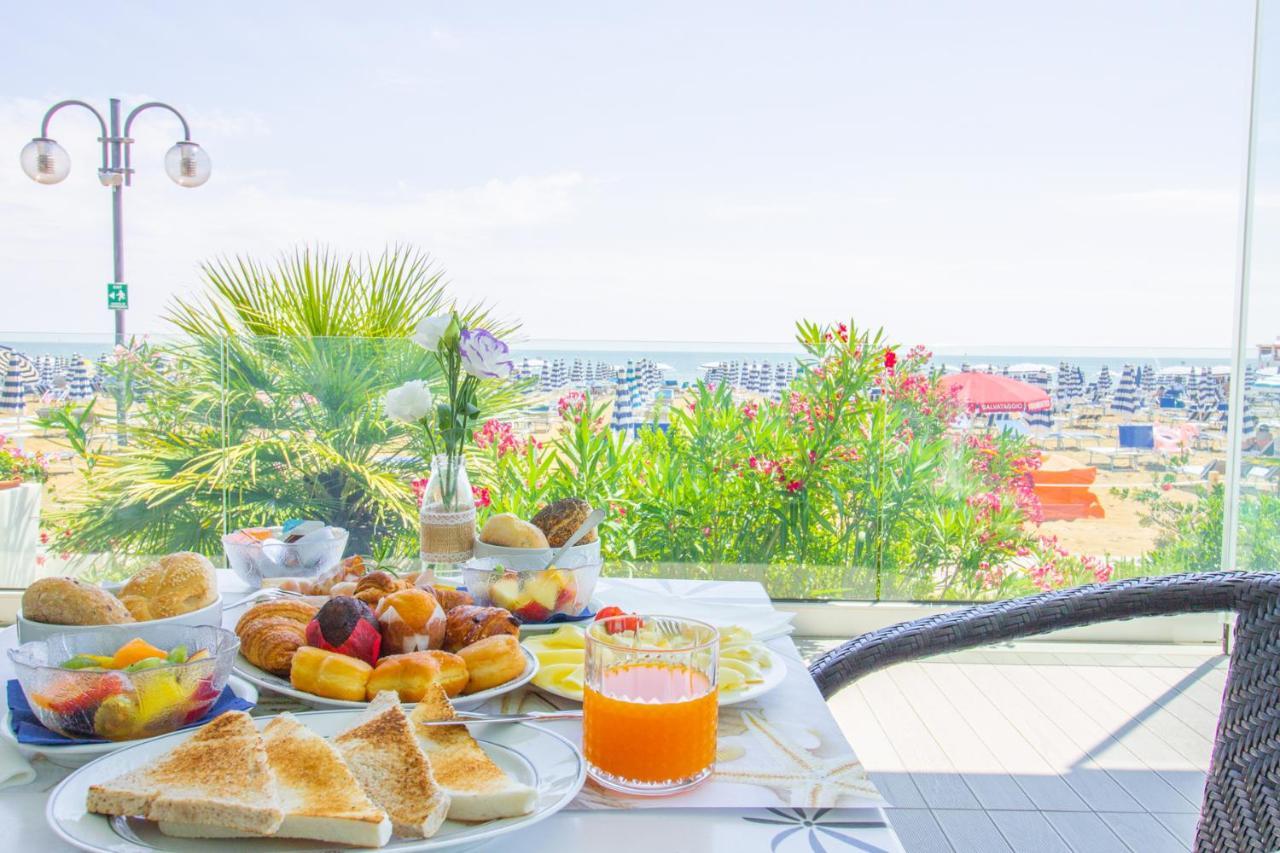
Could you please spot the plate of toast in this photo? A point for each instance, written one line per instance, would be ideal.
(381, 777)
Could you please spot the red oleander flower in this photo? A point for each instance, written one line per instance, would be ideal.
(482, 497)
(795, 486)
(890, 359)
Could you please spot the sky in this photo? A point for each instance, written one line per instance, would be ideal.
(972, 173)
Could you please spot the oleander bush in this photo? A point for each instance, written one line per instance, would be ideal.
(851, 485)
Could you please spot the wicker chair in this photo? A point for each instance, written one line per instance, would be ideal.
(1241, 809)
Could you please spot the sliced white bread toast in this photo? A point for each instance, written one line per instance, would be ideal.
(217, 778)
(320, 797)
(478, 789)
(385, 758)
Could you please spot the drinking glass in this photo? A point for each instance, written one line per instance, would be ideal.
(650, 703)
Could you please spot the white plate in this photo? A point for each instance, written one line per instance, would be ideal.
(530, 754)
(773, 676)
(276, 684)
(76, 754)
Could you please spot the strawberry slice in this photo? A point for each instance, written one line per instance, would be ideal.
(633, 622)
(79, 694)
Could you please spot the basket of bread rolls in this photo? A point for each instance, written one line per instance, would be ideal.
(510, 568)
(177, 589)
(383, 632)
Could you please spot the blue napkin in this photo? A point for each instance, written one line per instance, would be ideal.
(27, 728)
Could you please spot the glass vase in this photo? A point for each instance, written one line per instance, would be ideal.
(447, 519)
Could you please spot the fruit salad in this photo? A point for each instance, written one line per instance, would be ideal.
(562, 654)
(535, 596)
(139, 690)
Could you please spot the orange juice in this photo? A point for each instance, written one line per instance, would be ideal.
(650, 723)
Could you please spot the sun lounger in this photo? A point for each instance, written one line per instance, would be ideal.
(1114, 455)
(1077, 437)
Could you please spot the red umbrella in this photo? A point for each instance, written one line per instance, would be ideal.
(986, 392)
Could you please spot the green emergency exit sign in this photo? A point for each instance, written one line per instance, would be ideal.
(117, 296)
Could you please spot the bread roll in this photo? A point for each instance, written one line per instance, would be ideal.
(410, 675)
(67, 601)
(466, 624)
(508, 531)
(271, 633)
(491, 662)
(411, 620)
(560, 519)
(171, 586)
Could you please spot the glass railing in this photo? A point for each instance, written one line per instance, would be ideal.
(833, 473)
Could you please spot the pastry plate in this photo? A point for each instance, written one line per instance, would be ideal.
(276, 684)
(530, 754)
(76, 754)
(773, 676)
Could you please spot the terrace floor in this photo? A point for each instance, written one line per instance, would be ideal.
(1041, 746)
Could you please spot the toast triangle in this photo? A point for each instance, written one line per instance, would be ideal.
(478, 789)
(387, 761)
(217, 778)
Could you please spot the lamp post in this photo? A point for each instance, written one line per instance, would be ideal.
(47, 162)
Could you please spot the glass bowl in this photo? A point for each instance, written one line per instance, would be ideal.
(532, 595)
(119, 704)
(253, 560)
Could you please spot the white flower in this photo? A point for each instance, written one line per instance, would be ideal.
(430, 330)
(411, 402)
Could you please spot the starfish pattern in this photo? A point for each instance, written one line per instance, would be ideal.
(799, 820)
(797, 774)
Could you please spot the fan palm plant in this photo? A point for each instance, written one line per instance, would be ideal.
(270, 408)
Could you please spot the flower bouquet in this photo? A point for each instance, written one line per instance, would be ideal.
(467, 357)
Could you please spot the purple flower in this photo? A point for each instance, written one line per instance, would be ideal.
(484, 356)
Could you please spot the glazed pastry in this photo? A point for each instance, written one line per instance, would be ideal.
(329, 674)
(492, 661)
(372, 587)
(453, 671)
(270, 634)
(172, 586)
(67, 601)
(468, 623)
(560, 519)
(410, 675)
(449, 597)
(347, 626)
(411, 620)
(505, 530)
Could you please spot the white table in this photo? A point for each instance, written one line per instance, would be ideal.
(645, 828)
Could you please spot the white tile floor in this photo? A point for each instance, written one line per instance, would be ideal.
(1040, 746)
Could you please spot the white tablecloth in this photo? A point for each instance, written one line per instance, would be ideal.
(775, 823)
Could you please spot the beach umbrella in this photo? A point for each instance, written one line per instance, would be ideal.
(1102, 390)
(1040, 419)
(12, 398)
(1126, 396)
(79, 379)
(987, 393)
(27, 370)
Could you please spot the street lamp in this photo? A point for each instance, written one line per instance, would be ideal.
(47, 162)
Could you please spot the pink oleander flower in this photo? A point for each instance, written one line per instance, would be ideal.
(481, 495)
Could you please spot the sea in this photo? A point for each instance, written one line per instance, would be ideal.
(686, 362)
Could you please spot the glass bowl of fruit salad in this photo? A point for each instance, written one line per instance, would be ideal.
(91, 685)
(532, 595)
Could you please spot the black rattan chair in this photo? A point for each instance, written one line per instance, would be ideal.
(1241, 811)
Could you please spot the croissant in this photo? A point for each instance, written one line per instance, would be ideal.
(467, 623)
(449, 597)
(372, 587)
(271, 632)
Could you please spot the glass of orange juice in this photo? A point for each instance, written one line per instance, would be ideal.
(650, 703)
